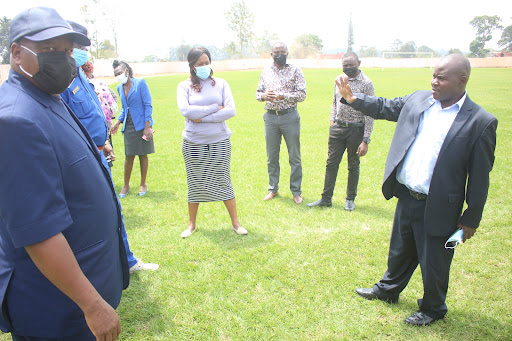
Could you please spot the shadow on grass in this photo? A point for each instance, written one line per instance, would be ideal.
(229, 240)
(377, 212)
(133, 221)
(149, 316)
(157, 196)
(463, 324)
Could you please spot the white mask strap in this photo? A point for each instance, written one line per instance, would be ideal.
(21, 67)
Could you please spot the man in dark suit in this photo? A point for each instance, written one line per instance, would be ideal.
(441, 155)
(62, 261)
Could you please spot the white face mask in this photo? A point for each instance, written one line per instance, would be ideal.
(122, 78)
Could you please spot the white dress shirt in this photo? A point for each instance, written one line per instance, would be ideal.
(415, 172)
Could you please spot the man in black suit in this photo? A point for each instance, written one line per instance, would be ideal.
(440, 157)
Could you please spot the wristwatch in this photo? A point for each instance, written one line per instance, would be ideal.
(367, 140)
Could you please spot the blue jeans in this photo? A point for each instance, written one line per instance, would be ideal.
(287, 126)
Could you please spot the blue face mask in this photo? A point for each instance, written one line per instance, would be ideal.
(80, 57)
(203, 72)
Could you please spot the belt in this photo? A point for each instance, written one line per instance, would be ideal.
(417, 195)
(349, 124)
(282, 112)
(100, 147)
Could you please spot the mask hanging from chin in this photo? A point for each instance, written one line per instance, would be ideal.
(56, 71)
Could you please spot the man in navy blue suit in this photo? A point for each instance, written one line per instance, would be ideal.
(440, 158)
(62, 261)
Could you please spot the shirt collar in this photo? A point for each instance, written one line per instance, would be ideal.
(459, 103)
(279, 69)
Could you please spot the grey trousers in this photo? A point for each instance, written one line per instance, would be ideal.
(287, 126)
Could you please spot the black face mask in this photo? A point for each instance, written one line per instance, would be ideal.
(280, 59)
(56, 71)
(350, 71)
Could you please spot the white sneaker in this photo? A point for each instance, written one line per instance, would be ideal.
(141, 266)
(187, 233)
(240, 230)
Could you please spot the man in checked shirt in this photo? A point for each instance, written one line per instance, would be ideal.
(350, 130)
(282, 85)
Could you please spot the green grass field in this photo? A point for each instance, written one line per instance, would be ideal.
(293, 277)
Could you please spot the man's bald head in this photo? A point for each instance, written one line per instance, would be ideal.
(449, 79)
(280, 46)
(458, 64)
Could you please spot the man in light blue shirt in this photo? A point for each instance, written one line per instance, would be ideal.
(440, 158)
(416, 170)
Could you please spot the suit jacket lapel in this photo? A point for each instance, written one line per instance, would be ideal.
(461, 118)
(132, 89)
(70, 118)
(411, 129)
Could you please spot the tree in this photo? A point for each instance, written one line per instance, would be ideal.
(264, 43)
(350, 34)
(451, 51)
(476, 48)
(506, 39)
(241, 22)
(151, 59)
(230, 49)
(4, 40)
(216, 53)
(410, 46)
(396, 45)
(99, 18)
(366, 51)
(106, 50)
(182, 52)
(306, 45)
(424, 48)
(484, 25)
(90, 15)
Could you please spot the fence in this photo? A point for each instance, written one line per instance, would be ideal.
(103, 68)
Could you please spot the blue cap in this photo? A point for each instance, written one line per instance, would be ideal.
(77, 27)
(43, 23)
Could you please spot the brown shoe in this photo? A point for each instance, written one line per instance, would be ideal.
(297, 199)
(271, 195)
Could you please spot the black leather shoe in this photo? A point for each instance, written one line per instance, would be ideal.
(320, 202)
(370, 295)
(420, 318)
(350, 205)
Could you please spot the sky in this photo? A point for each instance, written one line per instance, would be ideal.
(151, 27)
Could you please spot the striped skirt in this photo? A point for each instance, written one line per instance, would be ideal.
(208, 175)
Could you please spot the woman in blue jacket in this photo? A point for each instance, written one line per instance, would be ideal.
(136, 118)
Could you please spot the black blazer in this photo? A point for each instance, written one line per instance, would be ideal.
(461, 173)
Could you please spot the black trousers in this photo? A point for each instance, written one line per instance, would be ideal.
(411, 245)
(341, 139)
